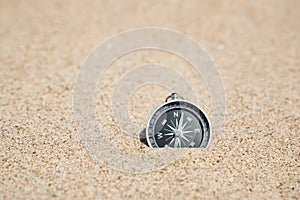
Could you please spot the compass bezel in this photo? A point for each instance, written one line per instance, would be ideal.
(184, 105)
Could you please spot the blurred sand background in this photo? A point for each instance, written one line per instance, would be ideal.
(256, 46)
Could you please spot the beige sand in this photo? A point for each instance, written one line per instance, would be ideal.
(256, 45)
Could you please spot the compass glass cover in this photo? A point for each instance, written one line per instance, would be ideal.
(178, 125)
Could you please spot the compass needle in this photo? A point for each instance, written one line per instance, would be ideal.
(171, 127)
(184, 125)
(185, 138)
(179, 142)
(176, 142)
(168, 138)
(173, 123)
(180, 122)
(184, 132)
(172, 141)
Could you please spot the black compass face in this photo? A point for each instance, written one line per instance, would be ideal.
(178, 124)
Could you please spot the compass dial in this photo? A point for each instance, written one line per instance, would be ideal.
(178, 124)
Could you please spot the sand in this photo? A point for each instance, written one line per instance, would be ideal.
(256, 46)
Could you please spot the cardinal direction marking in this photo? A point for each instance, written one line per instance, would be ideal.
(159, 135)
(175, 114)
(164, 122)
(166, 129)
(196, 130)
(192, 144)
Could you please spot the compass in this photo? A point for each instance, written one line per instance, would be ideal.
(178, 124)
